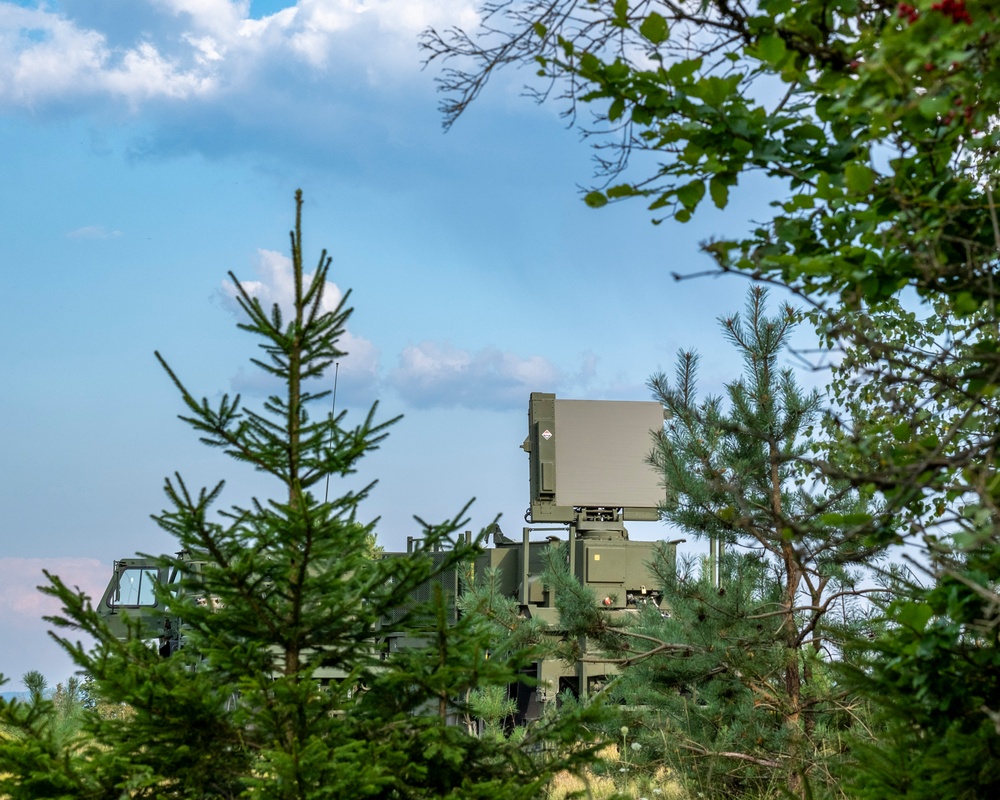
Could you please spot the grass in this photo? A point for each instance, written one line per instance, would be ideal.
(617, 779)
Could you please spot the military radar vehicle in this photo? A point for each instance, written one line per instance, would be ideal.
(588, 477)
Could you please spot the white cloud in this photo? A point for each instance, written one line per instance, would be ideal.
(93, 232)
(45, 57)
(276, 285)
(219, 16)
(436, 374)
(196, 49)
(318, 23)
(207, 48)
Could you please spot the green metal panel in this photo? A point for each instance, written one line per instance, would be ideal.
(591, 454)
(605, 565)
(541, 448)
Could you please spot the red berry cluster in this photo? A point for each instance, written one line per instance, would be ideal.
(967, 112)
(954, 9)
(908, 12)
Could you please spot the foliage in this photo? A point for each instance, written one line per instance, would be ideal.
(874, 122)
(715, 712)
(36, 733)
(281, 686)
(737, 669)
(511, 637)
(938, 686)
(866, 114)
(737, 472)
(873, 116)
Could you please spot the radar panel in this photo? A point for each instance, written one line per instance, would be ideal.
(592, 454)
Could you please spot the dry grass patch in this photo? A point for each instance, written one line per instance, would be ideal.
(617, 780)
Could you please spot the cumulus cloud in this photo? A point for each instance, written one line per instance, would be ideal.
(436, 374)
(184, 50)
(429, 374)
(275, 286)
(46, 57)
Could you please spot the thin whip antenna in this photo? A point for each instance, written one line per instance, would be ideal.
(333, 415)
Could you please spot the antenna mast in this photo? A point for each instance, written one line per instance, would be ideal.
(333, 415)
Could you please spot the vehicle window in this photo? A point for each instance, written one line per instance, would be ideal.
(136, 586)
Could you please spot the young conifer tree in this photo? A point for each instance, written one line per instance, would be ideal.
(280, 688)
(729, 679)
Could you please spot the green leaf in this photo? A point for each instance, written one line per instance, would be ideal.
(771, 49)
(930, 442)
(682, 70)
(621, 13)
(540, 30)
(719, 191)
(859, 178)
(622, 190)
(595, 199)
(654, 29)
(641, 115)
(934, 107)
(589, 63)
(798, 202)
(966, 303)
(914, 615)
(690, 195)
(713, 90)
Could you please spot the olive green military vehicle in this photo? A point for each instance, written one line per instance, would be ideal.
(588, 477)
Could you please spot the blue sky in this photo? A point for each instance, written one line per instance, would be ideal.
(150, 146)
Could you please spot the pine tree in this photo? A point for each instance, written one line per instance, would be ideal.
(280, 688)
(731, 679)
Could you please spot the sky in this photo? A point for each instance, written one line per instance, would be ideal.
(152, 146)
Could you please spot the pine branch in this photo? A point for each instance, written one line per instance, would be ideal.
(761, 762)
